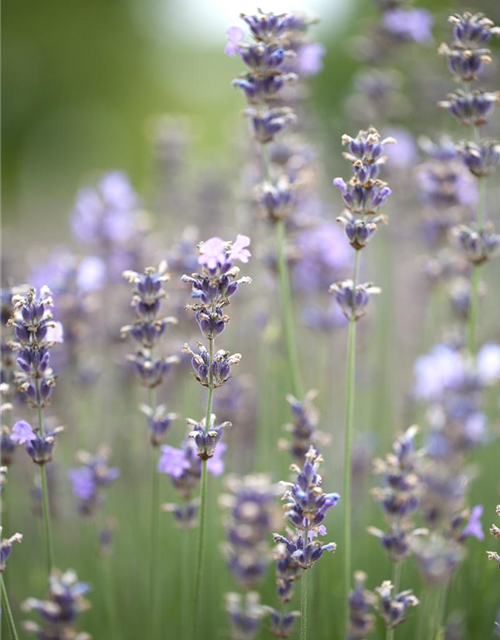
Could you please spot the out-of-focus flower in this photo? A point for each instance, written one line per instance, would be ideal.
(414, 25)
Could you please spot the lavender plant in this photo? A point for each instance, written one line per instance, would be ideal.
(306, 507)
(363, 196)
(466, 56)
(59, 613)
(212, 288)
(35, 333)
(249, 523)
(91, 478)
(150, 369)
(495, 532)
(275, 58)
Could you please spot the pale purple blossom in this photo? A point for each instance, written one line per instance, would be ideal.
(238, 249)
(172, 461)
(474, 528)
(82, 480)
(215, 464)
(414, 25)
(22, 432)
(441, 369)
(235, 36)
(309, 59)
(212, 253)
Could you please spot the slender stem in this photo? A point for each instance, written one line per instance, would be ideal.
(396, 580)
(185, 586)
(287, 312)
(203, 503)
(154, 532)
(45, 491)
(8, 612)
(440, 612)
(286, 293)
(476, 279)
(303, 597)
(348, 440)
(110, 596)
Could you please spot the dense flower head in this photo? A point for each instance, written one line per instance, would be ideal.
(467, 54)
(287, 571)
(245, 615)
(6, 547)
(267, 124)
(394, 608)
(89, 480)
(39, 444)
(207, 436)
(60, 612)
(281, 622)
(35, 333)
(211, 372)
(474, 108)
(251, 514)
(481, 158)
(409, 25)
(150, 372)
(217, 282)
(353, 300)
(303, 427)
(304, 554)
(361, 601)
(399, 496)
(277, 199)
(478, 245)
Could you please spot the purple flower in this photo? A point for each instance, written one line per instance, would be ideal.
(238, 250)
(441, 369)
(409, 24)
(83, 482)
(235, 36)
(172, 461)
(22, 432)
(309, 60)
(403, 154)
(212, 253)
(474, 528)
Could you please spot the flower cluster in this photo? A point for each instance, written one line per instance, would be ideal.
(393, 609)
(245, 614)
(303, 428)
(400, 495)
(149, 325)
(35, 333)
(306, 506)
(89, 480)
(363, 196)
(159, 422)
(361, 621)
(495, 532)
(60, 612)
(212, 288)
(39, 444)
(109, 218)
(250, 519)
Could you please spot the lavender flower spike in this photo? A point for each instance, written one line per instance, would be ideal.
(393, 609)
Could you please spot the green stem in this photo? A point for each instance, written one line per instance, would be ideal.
(45, 491)
(303, 597)
(287, 312)
(286, 293)
(8, 612)
(396, 581)
(153, 567)
(348, 441)
(203, 503)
